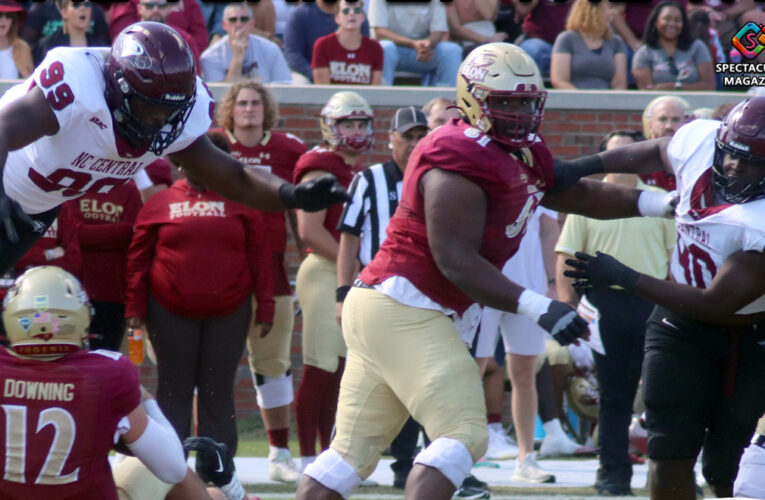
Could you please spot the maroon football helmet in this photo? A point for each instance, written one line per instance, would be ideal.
(150, 85)
(742, 135)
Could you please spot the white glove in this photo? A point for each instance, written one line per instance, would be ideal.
(581, 355)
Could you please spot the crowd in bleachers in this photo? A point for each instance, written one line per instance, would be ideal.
(659, 45)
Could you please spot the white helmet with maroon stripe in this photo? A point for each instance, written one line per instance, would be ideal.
(501, 93)
(347, 106)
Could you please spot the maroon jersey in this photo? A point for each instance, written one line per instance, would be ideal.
(546, 20)
(347, 66)
(104, 224)
(323, 159)
(277, 152)
(513, 190)
(59, 421)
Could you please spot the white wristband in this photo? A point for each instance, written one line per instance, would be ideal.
(533, 305)
(233, 490)
(653, 204)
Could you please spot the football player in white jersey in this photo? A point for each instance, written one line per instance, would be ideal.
(703, 372)
(89, 119)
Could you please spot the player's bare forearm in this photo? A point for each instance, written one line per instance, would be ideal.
(481, 281)
(642, 157)
(25, 120)
(222, 173)
(313, 234)
(346, 258)
(596, 199)
(292, 217)
(455, 213)
(566, 292)
(739, 281)
(385, 34)
(191, 488)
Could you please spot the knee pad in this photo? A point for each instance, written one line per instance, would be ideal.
(332, 471)
(273, 392)
(451, 457)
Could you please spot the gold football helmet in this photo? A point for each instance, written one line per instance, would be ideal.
(501, 93)
(583, 396)
(347, 106)
(46, 313)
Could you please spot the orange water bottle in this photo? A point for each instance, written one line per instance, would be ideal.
(135, 345)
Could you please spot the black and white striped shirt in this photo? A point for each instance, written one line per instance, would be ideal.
(375, 193)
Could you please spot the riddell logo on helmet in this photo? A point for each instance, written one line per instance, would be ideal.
(174, 97)
(738, 145)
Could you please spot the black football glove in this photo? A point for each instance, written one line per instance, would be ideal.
(600, 270)
(314, 195)
(563, 323)
(9, 211)
(214, 462)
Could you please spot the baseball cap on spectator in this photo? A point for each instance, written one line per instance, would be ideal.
(406, 119)
(14, 6)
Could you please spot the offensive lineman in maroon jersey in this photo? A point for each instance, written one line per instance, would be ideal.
(468, 190)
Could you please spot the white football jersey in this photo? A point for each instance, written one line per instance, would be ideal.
(707, 233)
(82, 157)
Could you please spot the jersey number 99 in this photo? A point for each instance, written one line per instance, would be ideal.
(61, 95)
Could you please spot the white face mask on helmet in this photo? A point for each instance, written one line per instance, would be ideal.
(347, 106)
(501, 93)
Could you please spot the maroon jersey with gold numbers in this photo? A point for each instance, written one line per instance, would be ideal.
(59, 420)
(513, 190)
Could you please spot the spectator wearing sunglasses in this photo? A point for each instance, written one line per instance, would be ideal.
(346, 56)
(158, 11)
(184, 15)
(306, 24)
(670, 59)
(76, 17)
(241, 54)
(45, 18)
(15, 54)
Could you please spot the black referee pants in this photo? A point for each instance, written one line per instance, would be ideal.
(622, 328)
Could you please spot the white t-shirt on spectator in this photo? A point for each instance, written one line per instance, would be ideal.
(8, 70)
(263, 60)
(412, 21)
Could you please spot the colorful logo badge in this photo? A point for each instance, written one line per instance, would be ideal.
(749, 40)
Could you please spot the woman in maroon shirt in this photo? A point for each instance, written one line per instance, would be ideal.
(104, 228)
(195, 260)
(346, 126)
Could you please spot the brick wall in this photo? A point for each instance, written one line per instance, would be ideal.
(574, 124)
